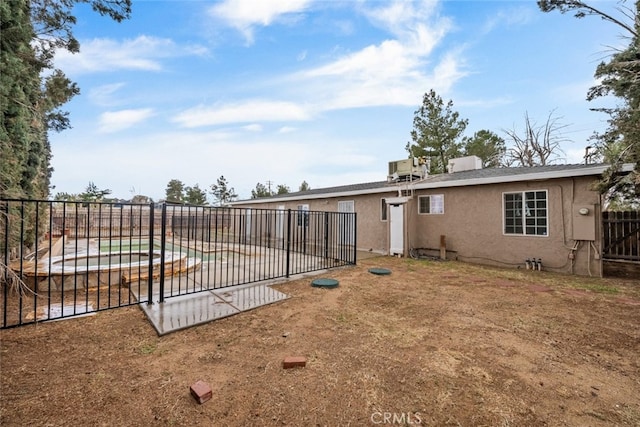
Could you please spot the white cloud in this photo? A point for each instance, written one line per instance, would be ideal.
(248, 111)
(390, 58)
(253, 127)
(509, 17)
(143, 53)
(104, 95)
(286, 129)
(244, 15)
(393, 72)
(402, 17)
(115, 121)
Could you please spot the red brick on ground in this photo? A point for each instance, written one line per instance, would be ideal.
(201, 391)
(294, 361)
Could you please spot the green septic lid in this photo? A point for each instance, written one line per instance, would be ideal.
(325, 283)
(380, 271)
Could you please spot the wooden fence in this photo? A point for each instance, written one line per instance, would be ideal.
(621, 235)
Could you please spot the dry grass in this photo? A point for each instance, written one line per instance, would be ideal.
(434, 343)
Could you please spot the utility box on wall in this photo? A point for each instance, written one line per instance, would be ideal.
(584, 222)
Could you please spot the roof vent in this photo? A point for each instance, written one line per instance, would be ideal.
(467, 163)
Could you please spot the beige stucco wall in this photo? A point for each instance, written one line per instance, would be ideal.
(472, 224)
(371, 231)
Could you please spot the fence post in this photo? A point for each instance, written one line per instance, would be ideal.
(326, 235)
(355, 237)
(150, 282)
(5, 252)
(163, 243)
(288, 240)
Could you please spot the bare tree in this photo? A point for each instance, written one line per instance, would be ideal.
(540, 145)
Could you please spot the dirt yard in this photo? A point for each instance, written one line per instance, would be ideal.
(434, 343)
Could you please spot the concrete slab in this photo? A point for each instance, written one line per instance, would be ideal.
(247, 298)
(185, 311)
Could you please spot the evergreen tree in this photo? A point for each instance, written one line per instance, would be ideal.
(486, 145)
(261, 190)
(93, 194)
(618, 76)
(195, 195)
(304, 186)
(20, 124)
(282, 189)
(174, 192)
(32, 90)
(436, 132)
(65, 197)
(222, 193)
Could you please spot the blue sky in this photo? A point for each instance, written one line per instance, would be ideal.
(321, 91)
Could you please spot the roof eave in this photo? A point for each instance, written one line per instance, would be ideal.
(532, 176)
(390, 189)
(425, 184)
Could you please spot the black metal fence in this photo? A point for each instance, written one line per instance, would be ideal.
(62, 259)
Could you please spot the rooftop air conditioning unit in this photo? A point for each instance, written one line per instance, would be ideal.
(402, 170)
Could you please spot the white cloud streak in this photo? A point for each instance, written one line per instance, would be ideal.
(393, 72)
(144, 53)
(115, 121)
(511, 17)
(244, 15)
(251, 111)
(104, 95)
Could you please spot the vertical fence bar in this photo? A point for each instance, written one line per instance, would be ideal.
(288, 255)
(150, 267)
(49, 244)
(99, 272)
(35, 257)
(163, 242)
(21, 254)
(5, 289)
(355, 237)
(215, 245)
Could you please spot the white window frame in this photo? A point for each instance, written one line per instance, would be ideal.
(528, 213)
(384, 210)
(346, 206)
(303, 215)
(436, 204)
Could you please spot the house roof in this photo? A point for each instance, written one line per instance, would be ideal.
(456, 179)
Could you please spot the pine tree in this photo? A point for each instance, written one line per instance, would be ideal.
(436, 132)
(222, 193)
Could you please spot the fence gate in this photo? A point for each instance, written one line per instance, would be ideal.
(621, 235)
(63, 259)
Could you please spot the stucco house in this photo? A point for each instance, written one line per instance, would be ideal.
(497, 216)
